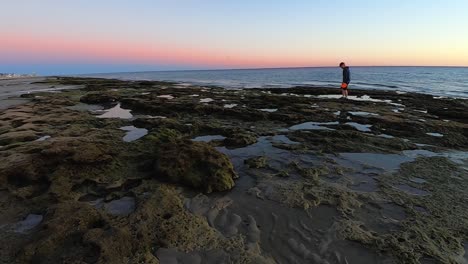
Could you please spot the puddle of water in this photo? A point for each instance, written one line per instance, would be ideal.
(417, 180)
(421, 111)
(230, 105)
(166, 96)
(397, 105)
(9, 102)
(337, 113)
(206, 100)
(421, 209)
(117, 112)
(282, 139)
(419, 152)
(155, 117)
(435, 134)
(386, 136)
(383, 161)
(98, 203)
(360, 127)
(82, 107)
(272, 110)
(423, 145)
(44, 138)
(146, 93)
(363, 183)
(459, 157)
(123, 206)
(195, 95)
(133, 133)
(411, 190)
(314, 126)
(355, 98)
(182, 85)
(30, 222)
(359, 113)
(208, 138)
(289, 94)
(277, 158)
(428, 260)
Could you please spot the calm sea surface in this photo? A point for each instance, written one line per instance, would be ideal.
(440, 81)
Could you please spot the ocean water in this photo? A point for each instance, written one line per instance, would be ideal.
(439, 81)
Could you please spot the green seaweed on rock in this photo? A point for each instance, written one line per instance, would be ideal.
(194, 164)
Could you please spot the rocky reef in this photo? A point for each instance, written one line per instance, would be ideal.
(111, 171)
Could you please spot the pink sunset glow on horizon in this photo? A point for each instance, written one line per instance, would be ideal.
(17, 47)
(26, 47)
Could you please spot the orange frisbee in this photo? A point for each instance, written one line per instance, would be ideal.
(344, 86)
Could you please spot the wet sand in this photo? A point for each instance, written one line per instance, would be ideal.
(12, 89)
(109, 171)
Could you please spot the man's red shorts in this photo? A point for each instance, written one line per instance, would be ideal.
(344, 86)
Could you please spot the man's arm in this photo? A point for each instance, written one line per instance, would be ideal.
(346, 76)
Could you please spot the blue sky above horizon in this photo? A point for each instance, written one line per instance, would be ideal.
(66, 37)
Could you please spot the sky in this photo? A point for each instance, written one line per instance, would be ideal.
(91, 36)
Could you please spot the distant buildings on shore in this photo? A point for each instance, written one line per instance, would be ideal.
(15, 75)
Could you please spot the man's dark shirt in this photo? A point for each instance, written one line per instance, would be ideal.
(346, 75)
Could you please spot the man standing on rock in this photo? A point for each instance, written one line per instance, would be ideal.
(346, 80)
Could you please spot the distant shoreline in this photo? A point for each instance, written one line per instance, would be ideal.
(11, 76)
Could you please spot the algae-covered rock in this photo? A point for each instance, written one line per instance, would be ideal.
(55, 169)
(19, 136)
(195, 164)
(257, 162)
(98, 98)
(91, 153)
(331, 141)
(161, 219)
(238, 140)
(313, 173)
(64, 225)
(164, 135)
(79, 151)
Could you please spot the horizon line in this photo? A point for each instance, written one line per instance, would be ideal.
(266, 68)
